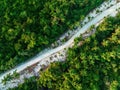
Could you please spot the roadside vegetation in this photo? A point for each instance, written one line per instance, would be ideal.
(95, 65)
(29, 84)
(28, 26)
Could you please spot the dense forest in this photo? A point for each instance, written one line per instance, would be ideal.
(95, 65)
(28, 26)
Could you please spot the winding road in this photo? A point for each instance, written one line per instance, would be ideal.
(65, 45)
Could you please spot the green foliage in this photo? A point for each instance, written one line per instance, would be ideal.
(10, 77)
(29, 84)
(93, 66)
(28, 26)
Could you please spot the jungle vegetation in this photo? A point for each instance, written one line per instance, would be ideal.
(95, 65)
(28, 26)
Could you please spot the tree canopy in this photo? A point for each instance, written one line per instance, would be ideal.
(28, 26)
(95, 65)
